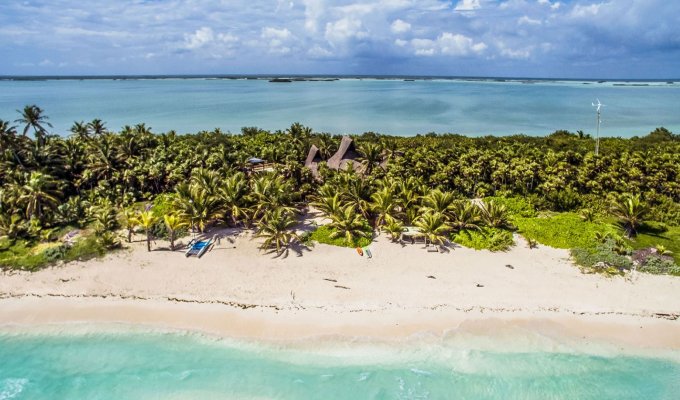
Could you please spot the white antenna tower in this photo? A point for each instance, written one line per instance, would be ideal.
(597, 137)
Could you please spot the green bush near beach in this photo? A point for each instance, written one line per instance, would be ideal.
(485, 239)
(669, 237)
(564, 230)
(323, 235)
(517, 206)
(31, 256)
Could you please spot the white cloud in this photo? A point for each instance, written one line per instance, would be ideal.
(319, 52)
(198, 39)
(586, 11)
(448, 44)
(553, 6)
(344, 29)
(277, 39)
(399, 26)
(314, 10)
(526, 20)
(457, 45)
(468, 5)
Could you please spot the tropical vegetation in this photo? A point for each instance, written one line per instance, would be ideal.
(477, 192)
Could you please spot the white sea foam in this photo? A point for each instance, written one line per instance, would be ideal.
(12, 387)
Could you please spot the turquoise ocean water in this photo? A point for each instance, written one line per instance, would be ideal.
(183, 366)
(351, 105)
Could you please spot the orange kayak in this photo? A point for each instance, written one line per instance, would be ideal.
(360, 251)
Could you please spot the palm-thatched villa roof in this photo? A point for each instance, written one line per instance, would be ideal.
(313, 159)
(346, 154)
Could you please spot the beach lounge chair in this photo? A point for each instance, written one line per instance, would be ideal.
(198, 248)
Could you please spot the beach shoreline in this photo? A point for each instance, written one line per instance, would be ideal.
(320, 330)
(540, 301)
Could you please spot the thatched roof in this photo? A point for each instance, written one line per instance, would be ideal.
(313, 156)
(345, 154)
(313, 159)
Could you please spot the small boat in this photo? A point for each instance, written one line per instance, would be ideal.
(360, 251)
(198, 248)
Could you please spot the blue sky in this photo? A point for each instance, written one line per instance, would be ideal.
(537, 38)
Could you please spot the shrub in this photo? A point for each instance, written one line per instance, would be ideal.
(55, 253)
(563, 231)
(602, 259)
(323, 235)
(485, 239)
(516, 206)
(659, 265)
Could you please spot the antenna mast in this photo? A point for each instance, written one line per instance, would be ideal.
(597, 137)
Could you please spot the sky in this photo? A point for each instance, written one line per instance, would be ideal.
(611, 39)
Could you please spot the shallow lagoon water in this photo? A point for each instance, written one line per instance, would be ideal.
(389, 106)
(139, 365)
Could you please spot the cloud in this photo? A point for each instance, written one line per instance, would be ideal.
(277, 39)
(399, 26)
(448, 44)
(526, 20)
(343, 30)
(520, 37)
(468, 5)
(198, 39)
(585, 11)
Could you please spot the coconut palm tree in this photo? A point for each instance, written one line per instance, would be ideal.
(104, 217)
(393, 227)
(384, 205)
(371, 155)
(277, 228)
(494, 215)
(173, 224)
(147, 220)
(329, 204)
(33, 118)
(232, 194)
(433, 226)
(39, 193)
(349, 224)
(465, 215)
(130, 222)
(438, 202)
(630, 212)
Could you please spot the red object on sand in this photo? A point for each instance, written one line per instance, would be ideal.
(360, 251)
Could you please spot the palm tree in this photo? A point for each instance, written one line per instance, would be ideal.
(371, 155)
(104, 217)
(96, 127)
(494, 215)
(328, 204)
(393, 227)
(277, 227)
(8, 140)
(232, 195)
(173, 223)
(32, 117)
(348, 223)
(465, 215)
(193, 204)
(147, 220)
(433, 226)
(384, 205)
(130, 222)
(438, 202)
(630, 212)
(39, 193)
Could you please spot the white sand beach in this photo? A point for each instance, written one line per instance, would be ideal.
(239, 291)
